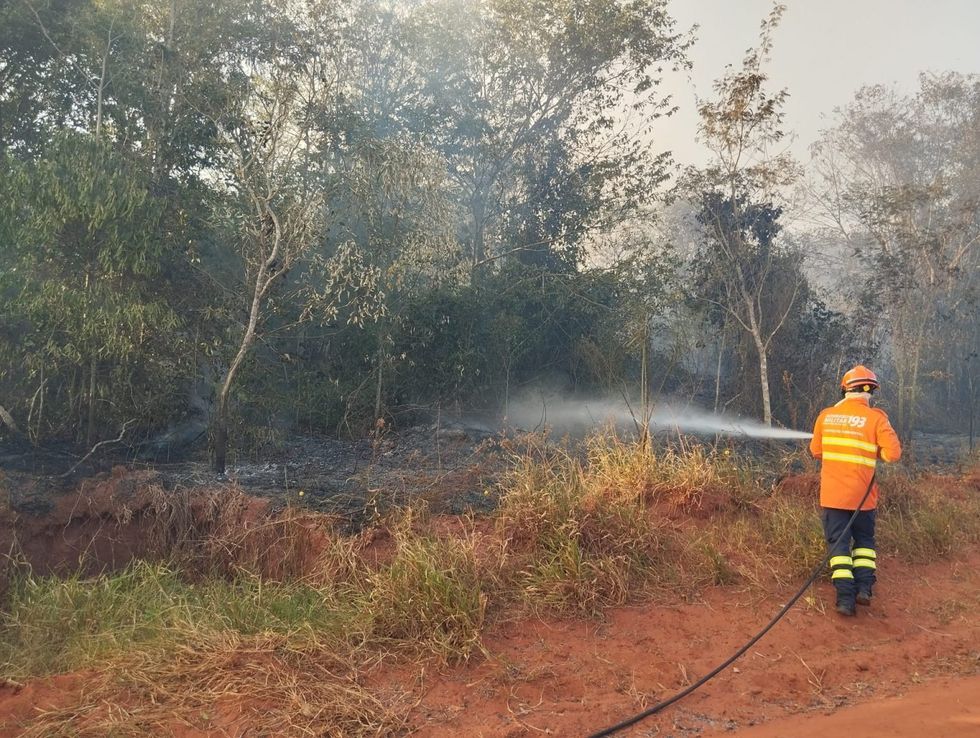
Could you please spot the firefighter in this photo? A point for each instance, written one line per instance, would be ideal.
(849, 438)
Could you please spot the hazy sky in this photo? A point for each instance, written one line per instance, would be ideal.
(824, 50)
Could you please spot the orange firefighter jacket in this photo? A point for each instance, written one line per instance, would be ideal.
(849, 438)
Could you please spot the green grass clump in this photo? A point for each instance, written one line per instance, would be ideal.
(581, 534)
(431, 597)
(51, 625)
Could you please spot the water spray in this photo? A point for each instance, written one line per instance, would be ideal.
(566, 415)
(695, 420)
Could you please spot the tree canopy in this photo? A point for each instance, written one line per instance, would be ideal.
(265, 217)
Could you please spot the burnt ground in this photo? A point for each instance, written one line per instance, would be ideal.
(452, 467)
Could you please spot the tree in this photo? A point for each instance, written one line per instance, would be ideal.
(897, 179)
(275, 211)
(89, 335)
(520, 96)
(751, 281)
(29, 75)
(756, 280)
(393, 206)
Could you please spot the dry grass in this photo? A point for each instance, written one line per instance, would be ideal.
(270, 621)
(579, 532)
(922, 518)
(223, 682)
(222, 532)
(431, 597)
(793, 537)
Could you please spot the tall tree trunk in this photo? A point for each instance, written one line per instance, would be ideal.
(381, 370)
(219, 433)
(93, 370)
(762, 349)
(75, 403)
(100, 92)
(973, 408)
(219, 437)
(478, 213)
(901, 375)
(645, 410)
(506, 385)
(721, 354)
(170, 28)
(40, 410)
(914, 389)
(8, 420)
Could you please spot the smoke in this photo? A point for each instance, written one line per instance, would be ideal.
(578, 416)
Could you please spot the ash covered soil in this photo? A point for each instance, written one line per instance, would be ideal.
(450, 466)
(93, 517)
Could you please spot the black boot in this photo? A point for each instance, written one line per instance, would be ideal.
(864, 596)
(846, 590)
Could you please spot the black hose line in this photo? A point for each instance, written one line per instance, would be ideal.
(734, 657)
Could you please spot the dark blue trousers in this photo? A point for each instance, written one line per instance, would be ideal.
(852, 557)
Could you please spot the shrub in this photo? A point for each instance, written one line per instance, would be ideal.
(582, 535)
(923, 517)
(430, 597)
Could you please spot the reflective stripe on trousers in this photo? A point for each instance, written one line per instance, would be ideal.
(840, 567)
(864, 558)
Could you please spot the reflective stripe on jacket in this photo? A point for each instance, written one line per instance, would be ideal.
(849, 438)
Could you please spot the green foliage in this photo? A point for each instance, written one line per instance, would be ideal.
(30, 87)
(491, 65)
(81, 286)
(520, 326)
(450, 174)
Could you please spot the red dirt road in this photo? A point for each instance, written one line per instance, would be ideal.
(575, 678)
(946, 709)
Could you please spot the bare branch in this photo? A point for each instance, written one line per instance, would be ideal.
(97, 446)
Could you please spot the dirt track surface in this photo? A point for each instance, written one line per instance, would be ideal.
(946, 709)
(575, 678)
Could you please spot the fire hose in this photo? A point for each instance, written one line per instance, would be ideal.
(751, 642)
